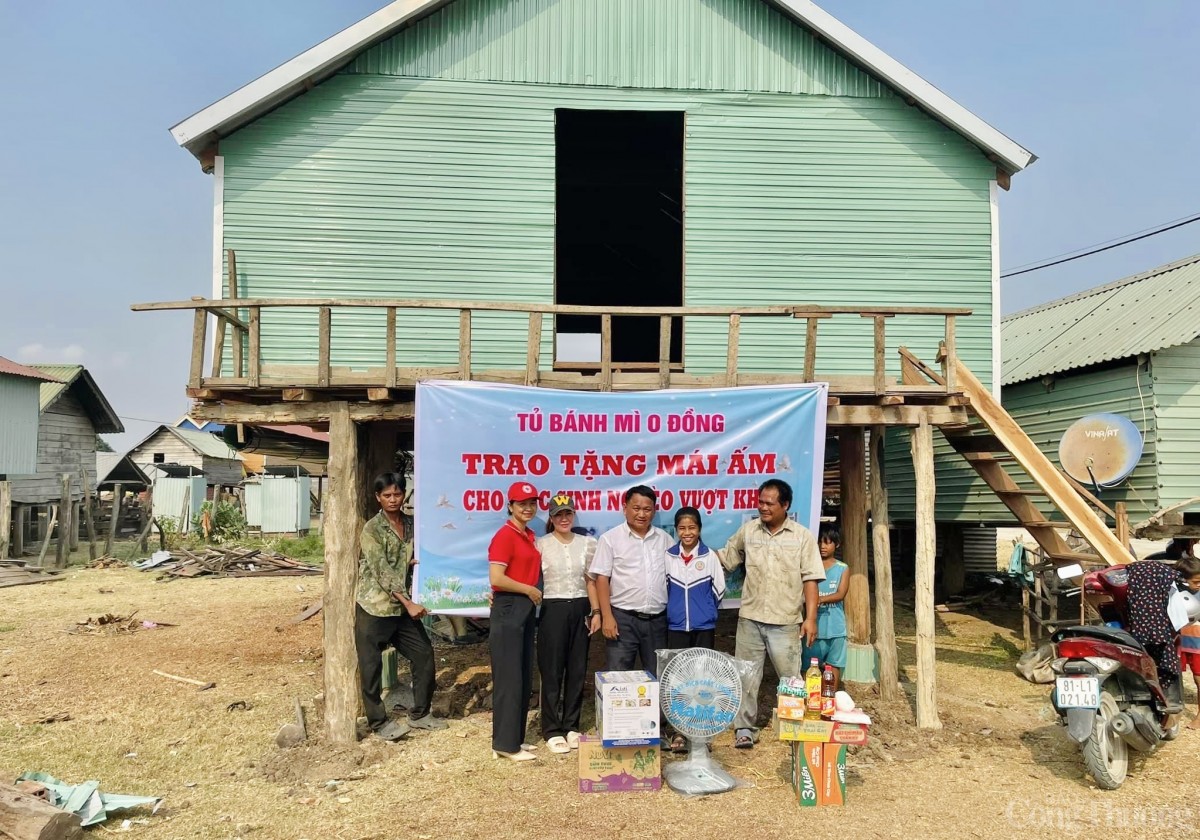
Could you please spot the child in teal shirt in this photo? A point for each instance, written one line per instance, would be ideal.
(829, 648)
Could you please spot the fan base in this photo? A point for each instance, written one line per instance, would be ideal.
(697, 775)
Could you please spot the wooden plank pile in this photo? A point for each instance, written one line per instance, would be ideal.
(231, 562)
(17, 573)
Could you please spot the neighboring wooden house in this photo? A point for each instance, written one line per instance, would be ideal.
(1131, 348)
(20, 389)
(496, 190)
(114, 468)
(72, 411)
(202, 450)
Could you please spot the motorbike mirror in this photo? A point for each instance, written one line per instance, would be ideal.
(1072, 571)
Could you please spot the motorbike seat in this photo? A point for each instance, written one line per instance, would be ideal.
(1098, 631)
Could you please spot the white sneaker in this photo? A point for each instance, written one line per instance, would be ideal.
(573, 739)
(523, 755)
(558, 744)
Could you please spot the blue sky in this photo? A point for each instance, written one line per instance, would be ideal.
(99, 208)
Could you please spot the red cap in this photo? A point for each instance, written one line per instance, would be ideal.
(521, 490)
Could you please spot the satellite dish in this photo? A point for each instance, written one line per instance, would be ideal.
(701, 691)
(1100, 449)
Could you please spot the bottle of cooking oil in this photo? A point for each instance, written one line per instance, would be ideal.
(812, 688)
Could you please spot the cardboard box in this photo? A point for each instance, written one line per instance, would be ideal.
(822, 731)
(806, 772)
(627, 708)
(618, 769)
(833, 774)
(789, 707)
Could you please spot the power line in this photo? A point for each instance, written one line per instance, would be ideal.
(1116, 244)
(1097, 244)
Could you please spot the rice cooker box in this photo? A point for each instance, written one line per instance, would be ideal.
(627, 708)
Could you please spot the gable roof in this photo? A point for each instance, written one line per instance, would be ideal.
(115, 467)
(202, 443)
(294, 77)
(75, 378)
(1146, 312)
(12, 368)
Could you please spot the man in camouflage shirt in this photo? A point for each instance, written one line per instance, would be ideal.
(385, 614)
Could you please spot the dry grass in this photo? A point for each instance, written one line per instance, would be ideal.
(1000, 767)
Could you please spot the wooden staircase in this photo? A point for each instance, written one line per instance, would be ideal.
(997, 439)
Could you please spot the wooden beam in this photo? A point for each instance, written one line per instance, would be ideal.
(26, 817)
(114, 519)
(731, 352)
(464, 344)
(518, 306)
(199, 328)
(606, 369)
(342, 532)
(21, 524)
(951, 351)
(533, 349)
(1003, 179)
(5, 517)
(49, 533)
(324, 327)
(1122, 529)
(62, 550)
(255, 347)
(885, 623)
(853, 475)
(299, 395)
(1087, 494)
(880, 348)
(664, 351)
(896, 415)
(922, 455)
(313, 412)
(390, 359)
(379, 394)
(810, 349)
(218, 353)
(87, 508)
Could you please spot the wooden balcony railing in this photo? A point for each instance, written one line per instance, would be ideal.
(239, 339)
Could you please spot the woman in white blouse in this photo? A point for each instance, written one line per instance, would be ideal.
(570, 615)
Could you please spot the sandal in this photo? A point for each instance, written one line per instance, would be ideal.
(743, 740)
(679, 744)
(558, 744)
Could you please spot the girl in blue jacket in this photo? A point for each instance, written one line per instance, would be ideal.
(695, 585)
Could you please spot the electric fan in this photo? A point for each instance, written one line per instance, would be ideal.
(701, 691)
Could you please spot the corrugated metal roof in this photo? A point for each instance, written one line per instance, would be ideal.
(206, 444)
(62, 376)
(13, 369)
(1142, 313)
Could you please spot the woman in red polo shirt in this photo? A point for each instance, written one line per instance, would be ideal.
(515, 569)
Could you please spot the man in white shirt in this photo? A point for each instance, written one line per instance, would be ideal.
(631, 584)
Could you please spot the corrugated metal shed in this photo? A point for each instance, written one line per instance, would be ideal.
(18, 423)
(1142, 313)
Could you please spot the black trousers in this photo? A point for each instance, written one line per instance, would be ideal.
(372, 634)
(562, 657)
(677, 639)
(637, 638)
(511, 642)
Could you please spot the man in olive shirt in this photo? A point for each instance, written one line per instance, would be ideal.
(386, 615)
(778, 615)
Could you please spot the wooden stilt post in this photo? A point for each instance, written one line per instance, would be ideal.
(1122, 511)
(115, 517)
(922, 455)
(342, 531)
(860, 662)
(885, 624)
(147, 515)
(22, 520)
(87, 509)
(954, 562)
(378, 456)
(5, 517)
(76, 513)
(62, 550)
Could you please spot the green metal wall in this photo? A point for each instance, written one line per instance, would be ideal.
(727, 45)
(18, 424)
(385, 186)
(1177, 409)
(1044, 413)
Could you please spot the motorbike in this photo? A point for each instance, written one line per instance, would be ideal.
(1107, 690)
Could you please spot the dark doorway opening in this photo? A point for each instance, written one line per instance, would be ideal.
(619, 230)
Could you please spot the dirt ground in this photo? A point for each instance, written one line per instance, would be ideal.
(999, 768)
